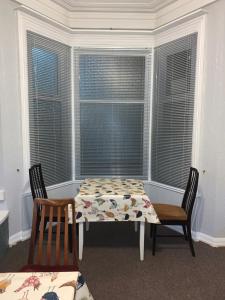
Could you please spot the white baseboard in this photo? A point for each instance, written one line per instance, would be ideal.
(202, 237)
(19, 237)
(210, 240)
(197, 236)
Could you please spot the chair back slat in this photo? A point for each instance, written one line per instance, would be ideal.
(58, 228)
(33, 234)
(190, 192)
(49, 252)
(49, 244)
(37, 184)
(66, 234)
(41, 235)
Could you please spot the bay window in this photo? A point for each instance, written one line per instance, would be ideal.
(112, 96)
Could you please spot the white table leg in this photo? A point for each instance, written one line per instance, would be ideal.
(142, 240)
(135, 226)
(87, 225)
(81, 240)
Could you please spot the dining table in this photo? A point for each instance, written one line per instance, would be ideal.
(43, 286)
(113, 200)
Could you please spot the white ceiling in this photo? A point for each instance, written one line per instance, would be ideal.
(114, 5)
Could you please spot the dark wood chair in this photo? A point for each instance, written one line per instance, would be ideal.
(46, 255)
(176, 215)
(38, 190)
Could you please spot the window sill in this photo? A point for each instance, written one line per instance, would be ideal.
(56, 186)
(164, 186)
(152, 183)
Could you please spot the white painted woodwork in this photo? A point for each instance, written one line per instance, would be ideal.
(127, 15)
(114, 5)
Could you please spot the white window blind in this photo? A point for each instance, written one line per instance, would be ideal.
(49, 81)
(112, 112)
(173, 110)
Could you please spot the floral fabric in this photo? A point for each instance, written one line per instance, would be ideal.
(104, 199)
(43, 286)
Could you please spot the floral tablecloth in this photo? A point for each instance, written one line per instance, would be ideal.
(43, 286)
(103, 199)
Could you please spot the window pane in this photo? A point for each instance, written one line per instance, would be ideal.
(50, 107)
(45, 70)
(112, 113)
(111, 138)
(173, 109)
(178, 73)
(112, 77)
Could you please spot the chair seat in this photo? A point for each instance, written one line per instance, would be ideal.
(169, 212)
(44, 268)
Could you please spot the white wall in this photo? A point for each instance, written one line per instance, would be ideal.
(212, 152)
(10, 129)
(211, 208)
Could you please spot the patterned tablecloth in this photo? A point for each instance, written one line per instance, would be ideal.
(103, 199)
(43, 286)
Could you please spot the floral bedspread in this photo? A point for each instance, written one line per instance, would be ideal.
(44, 286)
(103, 199)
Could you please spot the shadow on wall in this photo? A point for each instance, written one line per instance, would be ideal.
(27, 211)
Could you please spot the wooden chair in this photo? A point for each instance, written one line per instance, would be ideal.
(176, 215)
(38, 190)
(47, 257)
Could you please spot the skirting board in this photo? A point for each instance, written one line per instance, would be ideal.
(197, 236)
(210, 240)
(202, 237)
(19, 237)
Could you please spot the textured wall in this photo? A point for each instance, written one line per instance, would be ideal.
(10, 116)
(212, 151)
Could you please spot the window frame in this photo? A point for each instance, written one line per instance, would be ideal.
(147, 53)
(196, 25)
(165, 100)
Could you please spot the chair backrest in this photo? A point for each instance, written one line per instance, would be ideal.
(49, 251)
(190, 192)
(37, 184)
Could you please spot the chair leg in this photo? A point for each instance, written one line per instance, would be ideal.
(151, 230)
(185, 232)
(154, 238)
(70, 237)
(190, 240)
